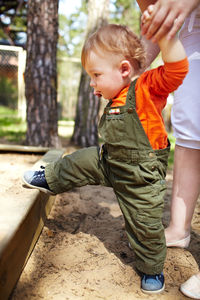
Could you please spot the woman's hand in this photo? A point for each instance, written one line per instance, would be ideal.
(167, 17)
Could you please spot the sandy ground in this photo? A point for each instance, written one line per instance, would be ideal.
(83, 251)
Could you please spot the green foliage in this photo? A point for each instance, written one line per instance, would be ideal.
(5, 111)
(13, 19)
(8, 92)
(72, 31)
(72, 28)
(171, 155)
(12, 129)
(126, 12)
(2, 34)
(71, 37)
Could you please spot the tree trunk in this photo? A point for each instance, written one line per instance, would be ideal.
(41, 73)
(86, 122)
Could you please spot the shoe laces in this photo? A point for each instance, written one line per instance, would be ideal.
(154, 277)
(39, 174)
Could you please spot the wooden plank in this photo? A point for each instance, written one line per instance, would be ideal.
(20, 148)
(17, 244)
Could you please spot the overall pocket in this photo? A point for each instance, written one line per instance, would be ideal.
(149, 172)
(113, 129)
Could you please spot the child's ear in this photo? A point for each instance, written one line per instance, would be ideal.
(125, 68)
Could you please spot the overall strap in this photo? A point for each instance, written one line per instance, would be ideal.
(130, 98)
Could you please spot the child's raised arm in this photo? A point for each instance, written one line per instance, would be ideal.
(171, 50)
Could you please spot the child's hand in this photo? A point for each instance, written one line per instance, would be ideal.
(147, 16)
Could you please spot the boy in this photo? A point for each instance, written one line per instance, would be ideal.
(133, 158)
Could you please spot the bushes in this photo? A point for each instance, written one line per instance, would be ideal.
(8, 92)
(12, 129)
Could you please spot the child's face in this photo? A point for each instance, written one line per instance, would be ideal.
(105, 74)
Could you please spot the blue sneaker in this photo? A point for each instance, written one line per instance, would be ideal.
(152, 284)
(37, 180)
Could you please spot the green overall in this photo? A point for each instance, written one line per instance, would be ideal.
(135, 171)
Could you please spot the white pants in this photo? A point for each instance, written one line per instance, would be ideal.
(186, 108)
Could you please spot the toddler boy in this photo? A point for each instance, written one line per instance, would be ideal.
(133, 158)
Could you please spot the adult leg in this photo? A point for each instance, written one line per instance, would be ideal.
(185, 121)
(186, 189)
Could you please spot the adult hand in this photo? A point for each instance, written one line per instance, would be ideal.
(167, 17)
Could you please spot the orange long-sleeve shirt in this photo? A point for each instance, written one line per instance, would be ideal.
(152, 89)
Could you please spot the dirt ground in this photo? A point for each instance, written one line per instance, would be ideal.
(83, 250)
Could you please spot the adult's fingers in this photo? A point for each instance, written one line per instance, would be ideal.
(177, 25)
(165, 28)
(161, 25)
(158, 15)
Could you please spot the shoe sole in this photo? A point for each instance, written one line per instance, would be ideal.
(36, 187)
(154, 292)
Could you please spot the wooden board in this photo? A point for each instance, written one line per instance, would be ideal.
(18, 242)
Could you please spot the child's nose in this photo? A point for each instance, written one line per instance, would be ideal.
(92, 83)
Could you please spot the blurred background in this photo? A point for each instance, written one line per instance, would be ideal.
(69, 117)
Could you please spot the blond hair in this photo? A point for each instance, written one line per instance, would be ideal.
(116, 39)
